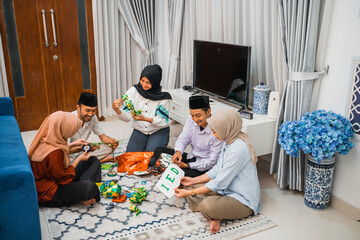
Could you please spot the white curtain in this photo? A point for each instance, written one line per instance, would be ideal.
(299, 30)
(4, 89)
(117, 55)
(139, 16)
(175, 14)
(253, 23)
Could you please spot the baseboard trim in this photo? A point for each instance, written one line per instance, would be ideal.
(345, 208)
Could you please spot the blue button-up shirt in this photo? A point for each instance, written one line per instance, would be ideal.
(205, 146)
(235, 175)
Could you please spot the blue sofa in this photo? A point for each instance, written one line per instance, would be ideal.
(19, 211)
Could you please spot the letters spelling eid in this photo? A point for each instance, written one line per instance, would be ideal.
(170, 179)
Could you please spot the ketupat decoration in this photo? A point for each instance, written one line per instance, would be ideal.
(113, 191)
(99, 143)
(106, 185)
(139, 195)
(110, 189)
(133, 208)
(129, 104)
(105, 166)
(137, 112)
(125, 97)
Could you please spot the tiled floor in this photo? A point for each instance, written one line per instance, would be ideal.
(286, 208)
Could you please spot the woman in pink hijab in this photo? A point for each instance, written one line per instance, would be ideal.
(58, 181)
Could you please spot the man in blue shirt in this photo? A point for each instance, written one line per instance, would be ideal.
(206, 147)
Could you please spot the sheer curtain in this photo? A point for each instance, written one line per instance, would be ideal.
(299, 30)
(117, 55)
(139, 16)
(249, 22)
(4, 89)
(175, 14)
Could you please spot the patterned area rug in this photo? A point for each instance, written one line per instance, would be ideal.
(160, 218)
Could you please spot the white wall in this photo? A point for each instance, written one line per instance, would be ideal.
(343, 44)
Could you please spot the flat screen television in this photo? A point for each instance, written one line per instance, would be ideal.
(222, 70)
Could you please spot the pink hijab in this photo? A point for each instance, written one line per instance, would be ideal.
(227, 123)
(53, 134)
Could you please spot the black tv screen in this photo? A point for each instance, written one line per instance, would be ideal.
(222, 70)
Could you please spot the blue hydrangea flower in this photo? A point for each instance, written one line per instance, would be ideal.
(320, 133)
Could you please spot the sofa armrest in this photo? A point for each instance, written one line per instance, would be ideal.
(19, 204)
(19, 211)
(6, 107)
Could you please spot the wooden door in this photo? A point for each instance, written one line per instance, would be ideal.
(50, 57)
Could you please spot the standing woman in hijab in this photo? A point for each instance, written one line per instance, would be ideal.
(232, 189)
(151, 127)
(59, 182)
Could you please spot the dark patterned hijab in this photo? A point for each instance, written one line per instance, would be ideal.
(154, 74)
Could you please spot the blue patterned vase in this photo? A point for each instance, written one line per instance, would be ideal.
(261, 99)
(318, 182)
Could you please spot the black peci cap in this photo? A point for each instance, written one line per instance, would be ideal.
(197, 102)
(88, 99)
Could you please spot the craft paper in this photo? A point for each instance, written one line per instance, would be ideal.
(170, 179)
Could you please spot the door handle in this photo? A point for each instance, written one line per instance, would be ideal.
(53, 25)
(44, 24)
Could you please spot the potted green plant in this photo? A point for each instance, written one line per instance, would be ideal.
(321, 135)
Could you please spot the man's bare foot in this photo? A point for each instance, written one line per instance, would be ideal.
(89, 202)
(215, 226)
(108, 159)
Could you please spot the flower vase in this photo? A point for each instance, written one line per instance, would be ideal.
(318, 181)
